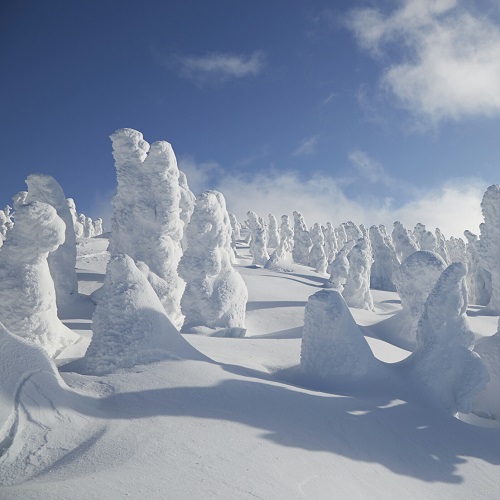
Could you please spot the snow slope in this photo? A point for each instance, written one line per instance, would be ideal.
(247, 424)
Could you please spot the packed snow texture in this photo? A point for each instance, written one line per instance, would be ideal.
(27, 290)
(62, 261)
(444, 360)
(489, 243)
(146, 223)
(129, 324)
(332, 343)
(415, 279)
(216, 295)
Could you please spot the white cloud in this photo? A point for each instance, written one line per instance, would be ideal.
(450, 61)
(369, 169)
(200, 176)
(306, 147)
(220, 67)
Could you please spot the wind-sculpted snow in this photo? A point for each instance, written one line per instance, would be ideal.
(489, 243)
(129, 324)
(384, 261)
(301, 240)
(332, 343)
(258, 243)
(62, 261)
(27, 292)
(356, 290)
(444, 360)
(317, 256)
(146, 223)
(487, 402)
(216, 295)
(415, 279)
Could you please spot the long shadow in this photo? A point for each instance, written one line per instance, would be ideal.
(84, 276)
(272, 304)
(289, 333)
(292, 279)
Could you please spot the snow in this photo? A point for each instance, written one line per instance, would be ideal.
(244, 423)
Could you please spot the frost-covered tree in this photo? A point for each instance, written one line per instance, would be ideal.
(441, 246)
(284, 250)
(339, 268)
(384, 260)
(273, 232)
(478, 280)
(88, 226)
(331, 246)
(403, 241)
(216, 295)
(129, 324)
(62, 261)
(489, 243)
(333, 346)
(301, 240)
(258, 243)
(341, 236)
(146, 223)
(27, 292)
(235, 231)
(98, 229)
(317, 256)
(356, 290)
(487, 402)
(186, 203)
(77, 225)
(352, 231)
(414, 280)
(6, 223)
(444, 360)
(456, 250)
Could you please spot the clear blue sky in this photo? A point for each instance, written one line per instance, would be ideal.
(383, 105)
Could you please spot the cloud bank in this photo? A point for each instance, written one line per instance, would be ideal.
(449, 66)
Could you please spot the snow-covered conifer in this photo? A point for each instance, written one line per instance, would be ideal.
(339, 268)
(216, 295)
(403, 241)
(274, 235)
(444, 360)
(414, 280)
(235, 232)
(356, 290)
(27, 292)
(77, 225)
(478, 280)
(352, 231)
(146, 223)
(331, 246)
(384, 260)
(489, 243)
(284, 250)
(258, 243)
(62, 261)
(332, 343)
(317, 256)
(441, 246)
(98, 229)
(456, 250)
(301, 240)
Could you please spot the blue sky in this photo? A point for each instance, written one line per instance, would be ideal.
(362, 110)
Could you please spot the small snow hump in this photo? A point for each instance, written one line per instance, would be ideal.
(332, 343)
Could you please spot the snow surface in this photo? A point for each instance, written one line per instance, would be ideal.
(247, 424)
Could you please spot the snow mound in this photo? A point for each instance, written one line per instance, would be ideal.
(332, 343)
(444, 360)
(130, 325)
(278, 264)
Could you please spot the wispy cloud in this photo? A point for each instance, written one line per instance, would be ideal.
(369, 169)
(200, 175)
(220, 67)
(306, 146)
(449, 66)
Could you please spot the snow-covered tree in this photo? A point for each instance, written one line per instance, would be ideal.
(356, 290)
(273, 233)
(489, 243)
(27, 292)
(444, 360)
(414, 280)
(403, 241)
(301, 240)
(441, 246)
(478, 280)
(146, 223)
(129, 324)
(62, 261)
(216, 295)
(98, 229)
(284, 250)
(339, 268)
(77, 225)
(331, 246)
(384, 260)
(258, 242)
(333, 346)
(235, 231)
(6, 223)
(317, 256)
